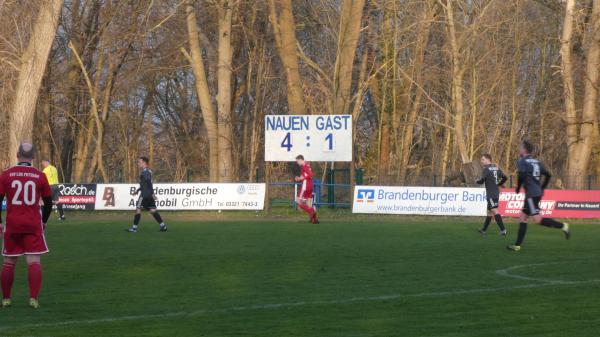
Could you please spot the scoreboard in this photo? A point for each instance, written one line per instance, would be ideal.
(316, 137)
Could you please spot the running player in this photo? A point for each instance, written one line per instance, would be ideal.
(147, 199)
(52, 175)
(531, 171)
(24, 186)
(305, 194)
(492, 177)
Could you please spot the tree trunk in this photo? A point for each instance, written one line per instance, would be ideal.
(420, 47)
(224, 76)
(458, 68)
(33, 65)
(203, 93)
(356, 111)
(348, 36)
(581, 133)
(284, 28)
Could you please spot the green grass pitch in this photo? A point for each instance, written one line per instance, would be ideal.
(244, 275)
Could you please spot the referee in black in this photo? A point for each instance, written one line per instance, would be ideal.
(147, 199)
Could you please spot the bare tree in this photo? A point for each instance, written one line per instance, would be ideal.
(284, 29)
(582, 128)
(31, 72)
(202, 91)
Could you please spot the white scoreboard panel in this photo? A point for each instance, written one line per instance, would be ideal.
(316, 137)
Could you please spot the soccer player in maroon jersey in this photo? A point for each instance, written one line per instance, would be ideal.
(24, 186)
(305, 194)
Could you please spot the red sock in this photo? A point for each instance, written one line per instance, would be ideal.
(8, 276)
(35, 280)
(307, 209)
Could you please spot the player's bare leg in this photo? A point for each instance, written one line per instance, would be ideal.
(35, 279)
(158, 218)
(8, 277)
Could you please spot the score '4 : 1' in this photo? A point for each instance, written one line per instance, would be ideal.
(287, 142)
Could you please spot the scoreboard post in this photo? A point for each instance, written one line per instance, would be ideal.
(316, 137)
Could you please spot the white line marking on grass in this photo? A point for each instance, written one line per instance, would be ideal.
(501, 272)
(507, 273)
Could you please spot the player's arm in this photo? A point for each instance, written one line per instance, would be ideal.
(522, 173)
(308, 173)
(2, 193)
(305, 173)
(546, 174)
(502, 177)
(520, 181)
(47, 199)
(46, 209)
(1, 223)
(483, 175)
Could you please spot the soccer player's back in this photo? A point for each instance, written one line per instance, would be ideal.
(534, 177)
(492, 177)
(24, 187)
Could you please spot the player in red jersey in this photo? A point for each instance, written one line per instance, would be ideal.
(305, 194)
(24, 187)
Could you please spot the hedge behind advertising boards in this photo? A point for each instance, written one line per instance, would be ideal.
(189, 196)
(469, 201)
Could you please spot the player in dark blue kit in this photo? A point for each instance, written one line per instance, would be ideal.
(147, 199)
(531, 171)
(492, 177)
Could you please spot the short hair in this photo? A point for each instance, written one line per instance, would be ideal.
(528, 146)
(487, 156)
(145, 159)
(300, 157)
(26, 151)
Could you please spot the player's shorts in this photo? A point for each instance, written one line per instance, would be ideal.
(55, 192)
(306, 194)
(17, 244)
(492, 203)
(146, 203)
(531, 206)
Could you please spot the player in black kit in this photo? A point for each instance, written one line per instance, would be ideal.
(531, 171)
(492, 177)
(147, 199)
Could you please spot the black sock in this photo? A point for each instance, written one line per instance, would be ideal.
(61, 212)
(551, 223)
(499, 221)
(486, 223)
(157, 217)
(136, 219)
(522, 232)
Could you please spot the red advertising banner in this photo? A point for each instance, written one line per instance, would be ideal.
(555, 203)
